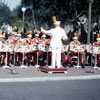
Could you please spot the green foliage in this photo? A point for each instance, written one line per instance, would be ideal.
(62, 9)
(40, 12)
(6, 14)
(66, 42)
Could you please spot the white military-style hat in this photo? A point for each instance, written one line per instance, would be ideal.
(43, 35)
(57, 22)
(98, 39)
(75, 38)
(36, 34)
(19, 35)
(29, 35)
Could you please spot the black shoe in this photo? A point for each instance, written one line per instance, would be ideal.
(71, 65)
(8, 65)
(82, 66)
(98, 65)
(32, 63)
(0, 65)
(18, 64)
(65, 65)
(28, 64)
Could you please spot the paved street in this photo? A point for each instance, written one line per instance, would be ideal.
(31, 84)
(51, 90)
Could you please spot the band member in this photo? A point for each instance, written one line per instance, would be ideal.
(10, 41)
(2, 42)
(36, 39)
(28, 42)
(28, 39)
(57, 34)
(13, 40)
(19, 55)
(45, 45)
(97, 44)
(34, 43)
(72, 53)
(44, 40)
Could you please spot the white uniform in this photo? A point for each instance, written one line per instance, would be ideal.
(57, 34)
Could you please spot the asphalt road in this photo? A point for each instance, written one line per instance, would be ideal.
(51, 90)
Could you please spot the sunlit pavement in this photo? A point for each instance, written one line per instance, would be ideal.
(32, 72)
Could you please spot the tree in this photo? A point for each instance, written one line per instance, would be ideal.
(5, 14)
(64, 10)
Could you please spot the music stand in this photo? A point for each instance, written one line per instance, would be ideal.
(47, 48)
(12, 67)
(78, 49)
(7, 50)
(23, 51)
(37, 50)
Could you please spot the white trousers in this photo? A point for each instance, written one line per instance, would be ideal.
(56, 57)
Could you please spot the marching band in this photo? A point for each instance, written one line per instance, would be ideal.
(43, 51)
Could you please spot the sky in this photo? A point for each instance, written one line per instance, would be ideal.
(12, 3)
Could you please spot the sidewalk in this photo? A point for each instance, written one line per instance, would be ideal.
(32, 72)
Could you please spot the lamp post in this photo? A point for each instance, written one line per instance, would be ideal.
(23, 10)
(89, 20)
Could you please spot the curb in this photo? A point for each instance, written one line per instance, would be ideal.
(35, 79)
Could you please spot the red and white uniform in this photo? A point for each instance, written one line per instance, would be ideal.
(76, 42)
(4, 53)
(97, 44)
(28, 54)
(2, 42)
(19, 54)
(36, 40)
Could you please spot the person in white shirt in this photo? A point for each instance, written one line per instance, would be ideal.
(57, 34)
